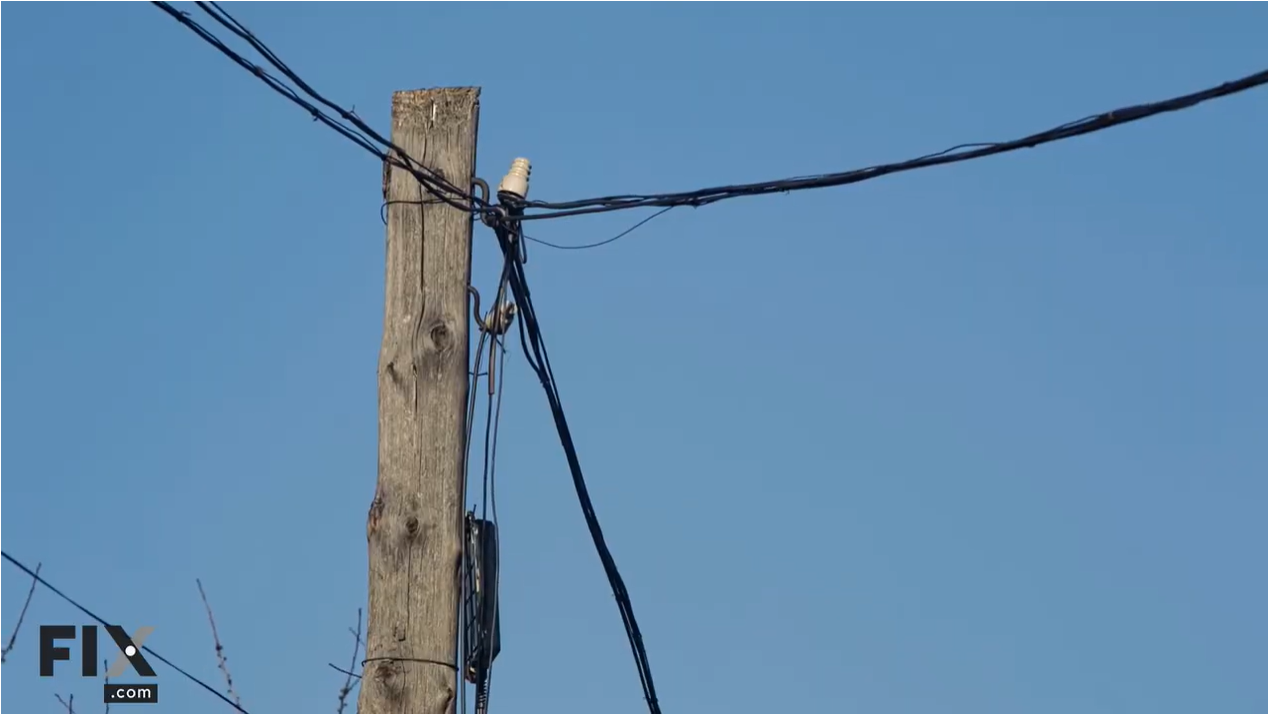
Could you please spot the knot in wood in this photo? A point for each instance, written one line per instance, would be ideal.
(386, 674)
(441, 337)
(411, 526)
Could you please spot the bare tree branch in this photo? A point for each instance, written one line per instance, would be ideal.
(348, 673)
(68, 704)
(353, 678)
(220, 649)
(13, 639)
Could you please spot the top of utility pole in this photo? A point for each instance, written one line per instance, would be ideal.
(444, 105)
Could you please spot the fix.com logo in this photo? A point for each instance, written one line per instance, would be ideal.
(129, 655)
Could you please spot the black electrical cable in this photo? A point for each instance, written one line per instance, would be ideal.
(471, 407)
(273, 83)
(440, 190)
(604, 242)
(464, 647)
(490, 460)
(433, 179)
(482, 682)
(492, 423)
(964, 152)
(223, 17)
(531, 336)
(39, 579)
(440, 187)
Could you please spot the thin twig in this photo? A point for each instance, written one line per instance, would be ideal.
(348, 673)
(13, 639)
(353, 678)
(220, 649)
(68, 704)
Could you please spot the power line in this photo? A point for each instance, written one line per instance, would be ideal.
(535, 352)
(494, 326)
(489, 501)
(604, 242)
(443, 189)
(99, 619)
(223, 17)
(493, 500)
(364, 136)
(273, 83)
(963, 152)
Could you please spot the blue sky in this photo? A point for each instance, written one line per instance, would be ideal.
(979, 438)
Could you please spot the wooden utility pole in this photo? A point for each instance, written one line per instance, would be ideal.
(414, 527)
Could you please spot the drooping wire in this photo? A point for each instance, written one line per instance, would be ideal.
(539, 360)
(964, 152)
(549, 244)
(604, 242)
(364, 136)
(99, 619)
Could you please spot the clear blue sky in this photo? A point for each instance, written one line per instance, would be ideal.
(988, 437)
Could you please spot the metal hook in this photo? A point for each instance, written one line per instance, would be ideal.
(475, 313)
(484, 185)
(490, 215)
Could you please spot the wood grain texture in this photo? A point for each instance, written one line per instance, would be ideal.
(414, 527)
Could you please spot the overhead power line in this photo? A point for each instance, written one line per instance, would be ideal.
(366, 137)
(956, 154)
(223, 17)
(40, 579)
(360, 133)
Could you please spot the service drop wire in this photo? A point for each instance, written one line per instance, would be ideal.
(493, 501)
(492, 421)
(472, 391)
(535, 350)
